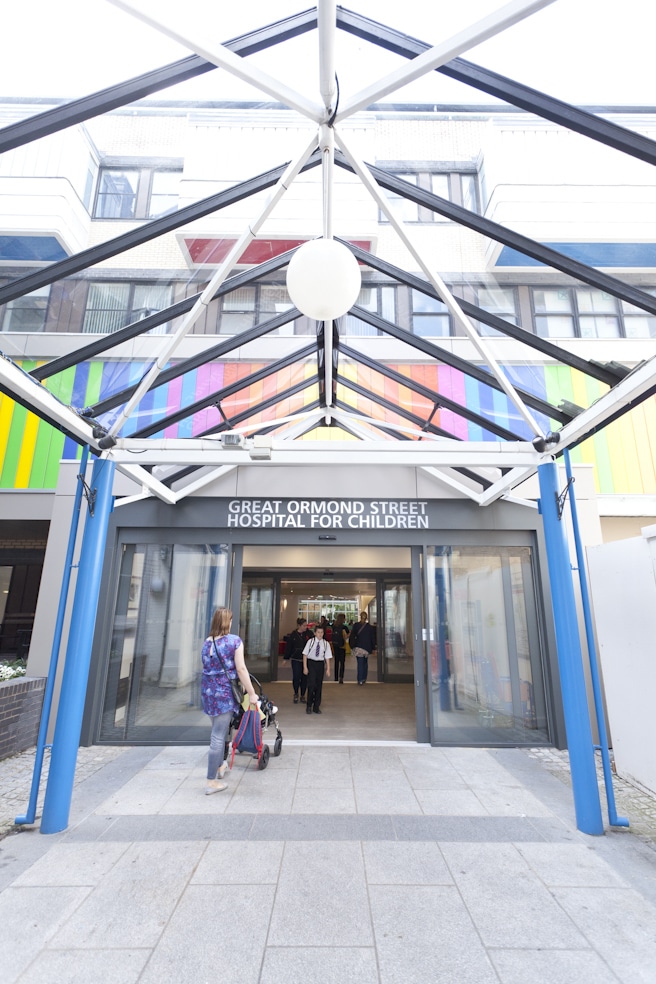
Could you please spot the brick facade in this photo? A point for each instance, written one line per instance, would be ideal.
(20, 713)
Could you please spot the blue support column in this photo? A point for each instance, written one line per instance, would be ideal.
(580, 746)
(59, 790)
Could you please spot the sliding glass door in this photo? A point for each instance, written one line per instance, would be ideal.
(485, 669)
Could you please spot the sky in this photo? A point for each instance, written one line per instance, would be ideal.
(588, 52)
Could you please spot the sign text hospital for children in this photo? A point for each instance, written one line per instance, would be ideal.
(329, 514)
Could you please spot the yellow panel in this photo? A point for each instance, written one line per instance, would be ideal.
(26, 456)
(632, 476)
(642, 421)
(6, 413)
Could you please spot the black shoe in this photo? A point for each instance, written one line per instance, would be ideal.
(296, 698)
(317, 710)
(341, 681)
(308, 710)
(302, 700)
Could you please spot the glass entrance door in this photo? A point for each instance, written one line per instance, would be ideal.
(164, 603)
(485, 669)
(258, 625)
(395, 630)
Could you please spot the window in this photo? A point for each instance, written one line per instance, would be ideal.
(378, 299)
(164, 192)
(637, 323)
(117, 194)
(459, 187)
(567, 312)
(403, 208)
(137, 193)
(27, 313)
(497, 300)
(598, 314)
(429, 317)
(554, 313)
(248, 306)
(111, 306)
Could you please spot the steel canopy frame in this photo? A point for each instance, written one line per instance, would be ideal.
(628, 388)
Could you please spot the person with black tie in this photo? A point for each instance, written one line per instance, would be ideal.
(317, 657)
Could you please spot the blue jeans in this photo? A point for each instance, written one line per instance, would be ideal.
(216, 754)
(363, 667)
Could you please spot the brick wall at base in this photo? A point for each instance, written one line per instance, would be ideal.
(20, 713)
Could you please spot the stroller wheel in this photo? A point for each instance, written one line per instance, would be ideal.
(277, 745)
(264, 758)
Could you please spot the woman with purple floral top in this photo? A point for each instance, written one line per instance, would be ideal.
(223, 660)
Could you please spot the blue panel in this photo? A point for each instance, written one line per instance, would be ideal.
(44, 249)
(593, 254)
(78, 398)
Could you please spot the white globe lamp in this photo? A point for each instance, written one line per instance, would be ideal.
(323, 279)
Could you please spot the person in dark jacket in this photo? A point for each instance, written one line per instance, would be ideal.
(294, 651)
(340, 635)
(362, 642)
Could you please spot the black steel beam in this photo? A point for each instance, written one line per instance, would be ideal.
(343, 405)
(170, 480)
(431, 428)
(381, 401)
(222, 394)
(259, 407)
(606, 374)
(503, 88)
(436, 398)
(137, 328)
(551, 257)
(449, 359)
(131, 90)
(207, 355)
(144, 233)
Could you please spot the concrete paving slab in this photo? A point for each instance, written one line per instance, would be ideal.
(508, 903)
(330, 965)
(424, 933)
(73, 864)
(84, 967)
(213, 935)
(146, 793)
(31, 917)
(510, 801)
(619, 924)
(322, 828)
(450, 802)
(540, 900)
(551, 967)
(319, 799)
(402, 863)
(384, 793)
(133, 904)
(324, 885)
(570, 865)
(240, 863)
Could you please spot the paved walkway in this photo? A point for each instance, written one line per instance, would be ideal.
(375, 864)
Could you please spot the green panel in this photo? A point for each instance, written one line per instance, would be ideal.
(93, 384)
(60, 386)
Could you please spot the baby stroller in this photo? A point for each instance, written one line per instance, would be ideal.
(250, 726)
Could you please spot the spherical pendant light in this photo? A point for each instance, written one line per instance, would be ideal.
(323, 279)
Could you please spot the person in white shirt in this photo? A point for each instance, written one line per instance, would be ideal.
(317, 657)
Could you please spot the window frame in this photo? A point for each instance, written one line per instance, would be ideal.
(424, 180)
(143, 195)
(129, 311)
(622, 316)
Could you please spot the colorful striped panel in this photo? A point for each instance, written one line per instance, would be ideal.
(624, 454)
